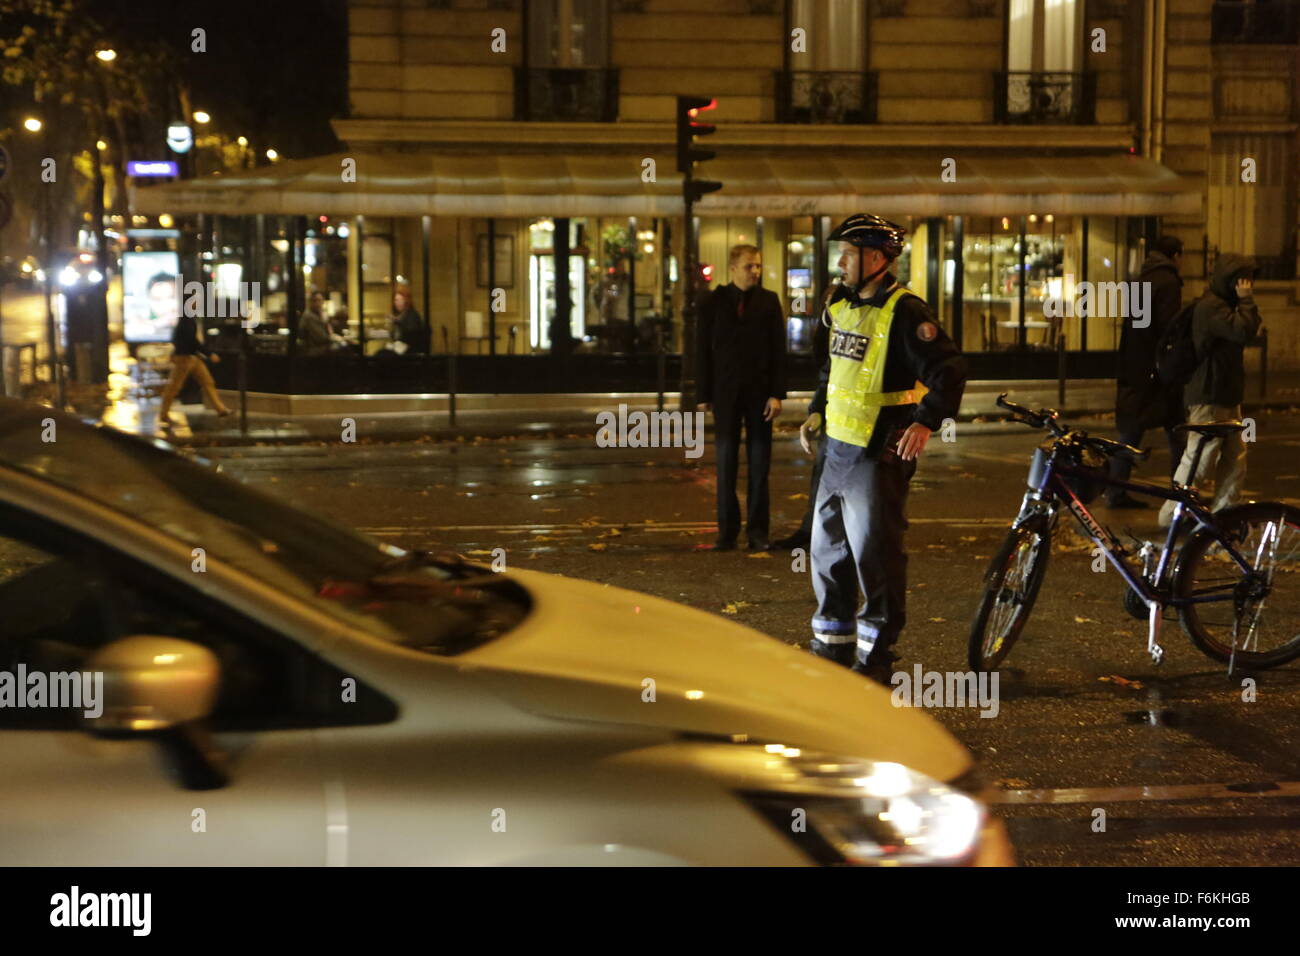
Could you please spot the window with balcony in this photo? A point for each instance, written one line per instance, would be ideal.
(1044, 81)
(827, 82)
(566, 75)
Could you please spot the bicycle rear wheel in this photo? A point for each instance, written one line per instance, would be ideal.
(1010, 588)
(1259, 615)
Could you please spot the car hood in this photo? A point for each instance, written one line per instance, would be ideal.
(597, 652)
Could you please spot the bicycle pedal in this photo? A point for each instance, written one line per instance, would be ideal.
(1157, 655)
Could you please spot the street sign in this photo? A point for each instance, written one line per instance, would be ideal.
(151, 167)
(4, 163)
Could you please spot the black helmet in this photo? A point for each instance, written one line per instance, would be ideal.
(871, 232)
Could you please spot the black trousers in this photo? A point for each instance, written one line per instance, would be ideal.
(1138, 411)
(729, 416)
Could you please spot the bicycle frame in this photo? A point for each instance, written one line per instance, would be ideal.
(1053, 488)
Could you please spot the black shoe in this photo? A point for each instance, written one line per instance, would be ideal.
(879, 668)
(759, 544)
(839, 653)
(1126, 501)
(724, 545)
(796, 540)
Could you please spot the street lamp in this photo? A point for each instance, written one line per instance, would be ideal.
(106, 56)
(32, 124)
(272, 155)
(201, 117)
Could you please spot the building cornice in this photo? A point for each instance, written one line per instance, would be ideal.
(496, 135)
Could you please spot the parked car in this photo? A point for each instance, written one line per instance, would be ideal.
(278, 689)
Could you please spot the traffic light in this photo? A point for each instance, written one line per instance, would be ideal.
(689, 153)
(689, 127)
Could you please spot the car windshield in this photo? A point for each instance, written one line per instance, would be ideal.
(311, 557)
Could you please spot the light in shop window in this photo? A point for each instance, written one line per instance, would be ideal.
(344, 231)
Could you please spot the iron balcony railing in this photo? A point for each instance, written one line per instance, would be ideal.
(575, 95)
(816, 96)
(1276, 21)
(1044, 97)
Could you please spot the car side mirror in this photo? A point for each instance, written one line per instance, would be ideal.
(154, 683)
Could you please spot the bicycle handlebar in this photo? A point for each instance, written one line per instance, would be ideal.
(1049, 418)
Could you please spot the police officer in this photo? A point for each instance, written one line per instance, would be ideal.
(891, 378)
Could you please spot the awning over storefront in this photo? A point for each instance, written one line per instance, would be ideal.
(784, 183)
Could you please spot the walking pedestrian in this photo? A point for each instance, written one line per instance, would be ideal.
(188, 353)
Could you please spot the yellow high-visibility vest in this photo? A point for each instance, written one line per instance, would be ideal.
(859, 345)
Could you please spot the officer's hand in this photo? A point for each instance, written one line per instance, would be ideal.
(811, 424)
(913, 441)
(772, 409)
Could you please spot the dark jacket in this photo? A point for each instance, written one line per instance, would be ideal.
(1222, 324)
(1141, 401)
(1137, 347)
(741, 352)
(185, 337)
(408, 328)
(909, 358)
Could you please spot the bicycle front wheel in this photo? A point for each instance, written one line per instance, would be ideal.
(1010, 588)
(1256, 612)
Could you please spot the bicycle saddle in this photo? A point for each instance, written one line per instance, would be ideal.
(1211, 429)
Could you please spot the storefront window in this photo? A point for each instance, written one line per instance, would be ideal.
(802, 306)
(542, 284)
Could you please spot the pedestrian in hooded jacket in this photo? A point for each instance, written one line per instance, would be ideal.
(1224, 320)
(1142, 401)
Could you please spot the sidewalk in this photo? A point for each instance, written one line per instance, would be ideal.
(1083, 399)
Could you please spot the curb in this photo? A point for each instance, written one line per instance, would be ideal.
(990, 425)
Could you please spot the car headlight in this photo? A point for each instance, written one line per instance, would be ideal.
(871, 813)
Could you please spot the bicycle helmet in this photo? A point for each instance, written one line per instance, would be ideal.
(871, 232)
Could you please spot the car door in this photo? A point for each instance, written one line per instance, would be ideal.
(71, 796)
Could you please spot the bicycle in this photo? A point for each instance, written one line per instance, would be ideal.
(1246, 556)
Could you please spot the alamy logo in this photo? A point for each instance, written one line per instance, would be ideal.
(75, 908)
(204, 300)
(56, 690)
(1103, 300)
(946, 689)
(651, 430)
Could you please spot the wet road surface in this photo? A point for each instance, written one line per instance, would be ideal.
(1185, 770)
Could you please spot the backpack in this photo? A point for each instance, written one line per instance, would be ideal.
(1176, 358)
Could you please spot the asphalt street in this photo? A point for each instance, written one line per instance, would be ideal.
(1185, 770)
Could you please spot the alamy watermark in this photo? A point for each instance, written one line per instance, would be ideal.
(59, 690)
(651, 430)
(1103, 300)
(946, 689)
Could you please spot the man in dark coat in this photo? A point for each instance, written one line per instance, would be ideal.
(1225, 319)
(1141, 400)
(741, 376)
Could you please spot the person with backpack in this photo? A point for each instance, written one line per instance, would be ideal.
(1142, 400)
(1222, 322)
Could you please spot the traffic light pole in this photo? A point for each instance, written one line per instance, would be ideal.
(689, 153)
(690, 260)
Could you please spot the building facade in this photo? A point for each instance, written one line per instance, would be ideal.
(507, 154)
